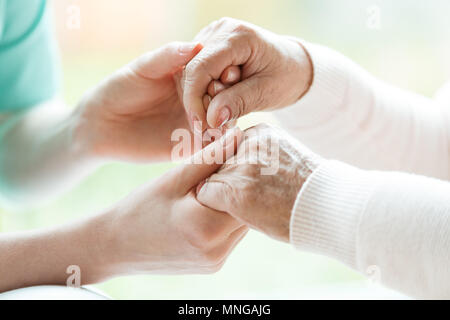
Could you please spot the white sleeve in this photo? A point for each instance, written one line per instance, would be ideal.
(349, 115)
(395, 222)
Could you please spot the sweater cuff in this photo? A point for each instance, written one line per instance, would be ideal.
(328, 209)
(327, 91)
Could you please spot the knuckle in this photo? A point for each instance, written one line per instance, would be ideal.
(259, 96)
(193, 67)
(244, 29)
(240, 105)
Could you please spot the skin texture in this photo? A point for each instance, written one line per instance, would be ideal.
(275, 71)
(132, 114)
(160, 228)
(129, 116)
(186, 236)
(262, 201)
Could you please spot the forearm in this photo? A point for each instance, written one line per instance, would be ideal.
(351, 116)
(42, 153)
(394, 223)
(42, 257)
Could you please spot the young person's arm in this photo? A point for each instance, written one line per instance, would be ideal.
(129, 116)
(160, 228)
(42, 151)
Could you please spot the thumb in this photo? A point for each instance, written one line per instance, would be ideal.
(165, 60)
(235, 102)
(207, 161)
(214, 195)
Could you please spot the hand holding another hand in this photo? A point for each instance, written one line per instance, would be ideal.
(259, 185)
(275, 72)
(162, 228)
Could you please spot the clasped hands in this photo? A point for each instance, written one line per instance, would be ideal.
(191, 218)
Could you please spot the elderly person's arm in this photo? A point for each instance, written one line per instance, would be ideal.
(395, 224)
(351, 116)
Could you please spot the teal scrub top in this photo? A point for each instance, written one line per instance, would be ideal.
(29, 64)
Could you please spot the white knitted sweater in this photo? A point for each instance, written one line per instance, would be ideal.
(379, 211)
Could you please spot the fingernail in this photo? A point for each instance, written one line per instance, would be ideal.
(232, 75)
(187, 48)
(218, 87)
(224, 116)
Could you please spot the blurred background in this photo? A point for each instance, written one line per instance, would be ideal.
(402, 42)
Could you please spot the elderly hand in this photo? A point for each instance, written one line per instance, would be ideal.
(259, 185)
(276, 71)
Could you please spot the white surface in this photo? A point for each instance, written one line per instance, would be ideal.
(53, 293)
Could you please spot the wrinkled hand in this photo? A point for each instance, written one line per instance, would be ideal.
(248, 187)
(275, 72)
(162, 228)
(132, 114)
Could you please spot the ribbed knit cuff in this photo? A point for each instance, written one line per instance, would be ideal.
(327, 91)
(327, 211)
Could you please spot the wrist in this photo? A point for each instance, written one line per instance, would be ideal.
(305, 167)
(101, 246)
(304, 70)
(83, 139)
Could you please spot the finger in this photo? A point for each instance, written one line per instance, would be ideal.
(206, 66)
(214, 195)
(177, 79)
(235, 102)
(205, 162)
(231, 75)
(216, 225)
(206, 100)
(215, 87)
(165, 60)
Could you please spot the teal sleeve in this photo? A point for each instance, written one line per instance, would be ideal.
(29, 63)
